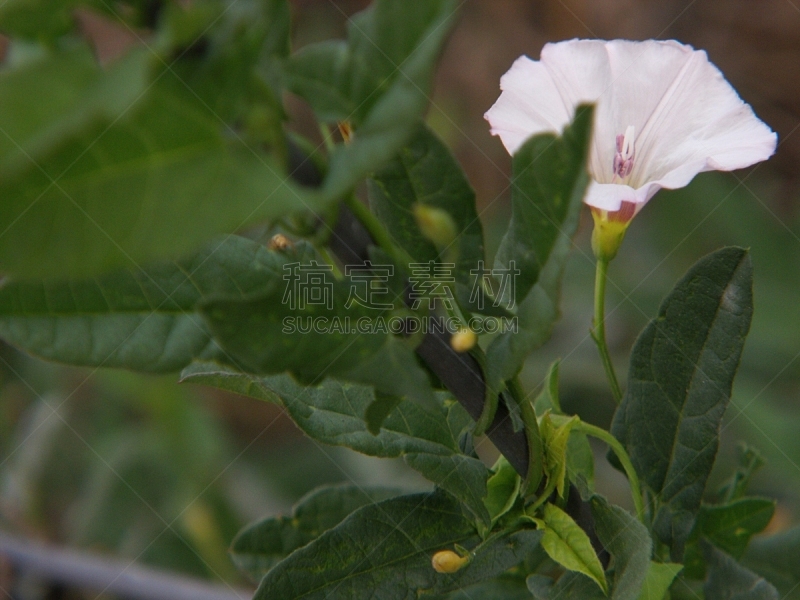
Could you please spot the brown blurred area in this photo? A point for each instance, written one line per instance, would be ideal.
(756, 44)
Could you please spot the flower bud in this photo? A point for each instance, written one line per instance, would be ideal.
(609, 230)
(447, 561)
(435, 224)
(463, 340)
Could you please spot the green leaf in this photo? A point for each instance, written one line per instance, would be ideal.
(730, 526)
(750, 461)
(502, 489)
(228, 378)
(281, 327)
(384, 551)
(580, 460)
(777, 557)
(42, 20)
(579, 455)
(112, 168)
(335, 413)
(424, 173)
(260, 546)
(378, 79)
(659, 577)
(548, 184)
(502, 588)
(548, 398)
(679, 384)
(555, 440)
(145, 320)
(629, 544)
(570, 586)
(568, 545)
(236, 74)
(728, 580)
(376, 413)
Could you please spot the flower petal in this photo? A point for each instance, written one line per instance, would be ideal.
(685, 117)
(530, 104)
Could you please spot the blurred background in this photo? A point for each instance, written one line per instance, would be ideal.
(146, 469)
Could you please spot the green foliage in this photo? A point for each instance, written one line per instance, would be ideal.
(120, 166)
(628, 542)
(680, 380)
(335, 413)
(42, 20)
(502, 489)
(378, 79)
(568, 545)
(424, 173)
(262, 545)
(115, 181)
(140, 319)
(548, 183)
(384, 550)
(555, 440)
(659, 577)
(729, 527)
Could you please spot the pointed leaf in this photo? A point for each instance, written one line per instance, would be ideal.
(679, 384)
(384, 551)
(262, 545)
(335, 413)
(548, 185)
(567, 544)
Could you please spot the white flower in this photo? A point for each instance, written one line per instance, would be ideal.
(664, 114)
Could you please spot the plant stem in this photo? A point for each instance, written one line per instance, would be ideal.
(531, 424)
(599, 327)
(633, 478)
(378, 231)
(548, 491)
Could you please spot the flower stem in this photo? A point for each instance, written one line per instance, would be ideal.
(599, 326)
(624, 459)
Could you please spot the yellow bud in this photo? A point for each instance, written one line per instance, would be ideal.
(609, 230)
(279, 242)
(447, 561)
(435, 224)
(463, 340)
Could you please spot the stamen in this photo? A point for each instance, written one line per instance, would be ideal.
(623, 159)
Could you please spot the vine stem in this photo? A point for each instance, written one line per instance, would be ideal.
(599, 326)
(377, 231)
(633, 478)
(531, 425)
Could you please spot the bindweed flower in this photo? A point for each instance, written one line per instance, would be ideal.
(663, 114)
